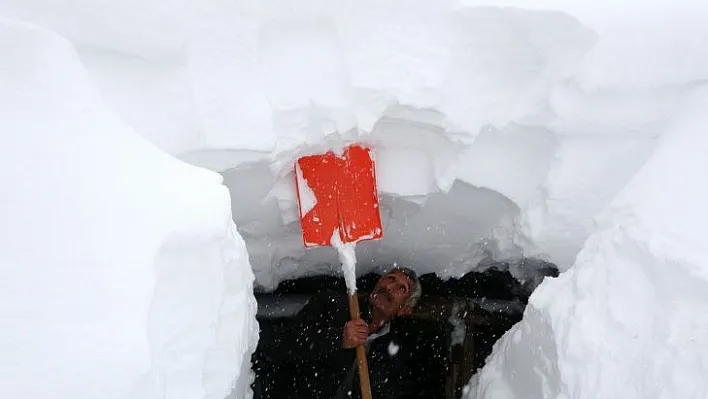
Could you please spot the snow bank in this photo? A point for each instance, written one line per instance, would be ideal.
(558, 92)
(122, 272)
(517, 101)
(306, 71)
(441, 90)
(421, 107)
(627, 320)
(158, 30)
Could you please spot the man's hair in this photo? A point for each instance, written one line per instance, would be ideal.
(417, 289)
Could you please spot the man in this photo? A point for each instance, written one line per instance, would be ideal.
(317, 350)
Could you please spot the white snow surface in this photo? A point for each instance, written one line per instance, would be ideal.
(123, 275)
(627, 320)
(307, 199)
(347, 257)
(558, 129)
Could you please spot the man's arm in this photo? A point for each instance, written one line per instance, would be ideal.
(315, 333)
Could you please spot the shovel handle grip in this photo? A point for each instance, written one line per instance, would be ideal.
(360, 353)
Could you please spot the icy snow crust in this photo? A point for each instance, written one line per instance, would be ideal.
(497, 132)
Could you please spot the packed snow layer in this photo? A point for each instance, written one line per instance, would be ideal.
(123, 275)
(220, 83)
(628, 319)
(499, 98)
(449, 234)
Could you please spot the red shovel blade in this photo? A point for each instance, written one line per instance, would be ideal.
(338, 193)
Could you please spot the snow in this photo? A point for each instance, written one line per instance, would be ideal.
(123, 274)
(307, 200)
(448, 234)
(347, 256)
(393, 348)
(557, 129)
(156, 32)
(626, 320)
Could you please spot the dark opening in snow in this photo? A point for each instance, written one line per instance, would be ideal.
(461, 318)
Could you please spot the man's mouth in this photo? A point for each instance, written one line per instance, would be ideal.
(384, 293)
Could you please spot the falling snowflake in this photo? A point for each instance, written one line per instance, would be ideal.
(393, 348)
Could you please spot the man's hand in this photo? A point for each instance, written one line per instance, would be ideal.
(355, 333)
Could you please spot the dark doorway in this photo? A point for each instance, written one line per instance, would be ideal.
(459, 320)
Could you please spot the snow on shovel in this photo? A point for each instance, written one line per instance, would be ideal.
(339, 207)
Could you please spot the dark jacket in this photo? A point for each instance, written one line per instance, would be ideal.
(402, 364)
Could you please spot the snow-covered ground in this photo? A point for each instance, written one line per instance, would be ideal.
(566, 131)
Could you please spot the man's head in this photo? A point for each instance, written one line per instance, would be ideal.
(396, 293)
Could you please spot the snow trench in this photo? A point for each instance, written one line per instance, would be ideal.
(570, 133)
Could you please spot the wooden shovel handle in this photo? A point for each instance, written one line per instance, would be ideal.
(360, 353)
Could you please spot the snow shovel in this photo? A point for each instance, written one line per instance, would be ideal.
(338, 203)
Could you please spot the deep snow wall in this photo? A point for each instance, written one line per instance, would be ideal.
(123, 275)
(628, 319)
(532, 87)
(560, 93)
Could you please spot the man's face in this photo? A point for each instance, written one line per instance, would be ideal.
(391, 293)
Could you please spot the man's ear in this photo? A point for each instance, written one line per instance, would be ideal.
(405, 311)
